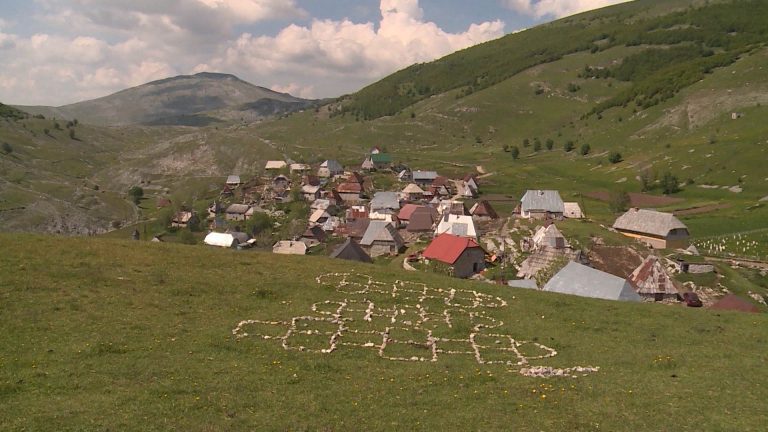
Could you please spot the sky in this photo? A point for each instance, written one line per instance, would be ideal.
(56, 52)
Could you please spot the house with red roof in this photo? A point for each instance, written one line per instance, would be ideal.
(463, 254)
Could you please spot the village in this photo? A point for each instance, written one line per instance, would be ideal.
(423, 221)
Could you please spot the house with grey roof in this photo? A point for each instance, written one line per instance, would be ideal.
(384, 206)
(330, 168)
(423, 178)
(580, 280)
(237, 212)
(541, 204)
(657, 229)
(234, 181)
(382, 238)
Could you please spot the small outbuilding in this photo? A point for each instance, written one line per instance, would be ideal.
(573, 210)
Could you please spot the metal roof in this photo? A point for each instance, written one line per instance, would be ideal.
(424, 175)
(385, 200)
(351, 251)
(542, 200)
(381, 231)
(580, 280)
(448, 248)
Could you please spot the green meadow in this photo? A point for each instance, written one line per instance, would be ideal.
(103, 334)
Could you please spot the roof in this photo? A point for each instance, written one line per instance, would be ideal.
(358, 227)
(299, 167)
(182, 217)
(381, 158)
(572, 210)
(316, 233)
(351, 251)
(318, 214)
(542, 200)
(308, 189)
(233, 179)
(453, 207)
(367, 163)
(240, 236)
(275, 165)
(238, 209)
(385, 200)
(523, 283)
(648, 222)
(424, 176)
(413, 188)
(651, 278)
(381, 231)
(350, 187)
(320, 204)
(407, 211)
(580, 280)
(549, 236)
(422, 219)
(332, 165)
(220, 239)
(484, 208)
(735, 303)
(287, 247)
(459, 225)
(448, 248)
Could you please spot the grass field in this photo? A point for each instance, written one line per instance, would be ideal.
(105, 334)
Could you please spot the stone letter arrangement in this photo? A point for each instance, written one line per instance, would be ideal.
(407, 321)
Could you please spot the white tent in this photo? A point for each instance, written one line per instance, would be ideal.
(221, 240)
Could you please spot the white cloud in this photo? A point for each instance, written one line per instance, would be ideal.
(556, 8)
(95, 47)
(341, 56)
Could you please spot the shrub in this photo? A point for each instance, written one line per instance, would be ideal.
(584, 149)
(515, 152)
(550, 143)
(568, 146)
(614, 157)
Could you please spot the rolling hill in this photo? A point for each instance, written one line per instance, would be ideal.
(190, 100)
(144, 336)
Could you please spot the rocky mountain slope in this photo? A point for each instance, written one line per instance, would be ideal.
(182, 100)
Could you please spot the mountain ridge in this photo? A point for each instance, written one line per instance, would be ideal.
(194, 98)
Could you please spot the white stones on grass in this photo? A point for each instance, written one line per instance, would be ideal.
(399, 322)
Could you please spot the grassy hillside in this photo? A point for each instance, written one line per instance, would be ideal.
(138, 336)
(720, 32)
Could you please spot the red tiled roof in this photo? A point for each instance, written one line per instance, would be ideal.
(448, 248)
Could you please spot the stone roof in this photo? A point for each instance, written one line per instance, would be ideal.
(413, 188)
(234, 179)
(648, 222)
(580, 280)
